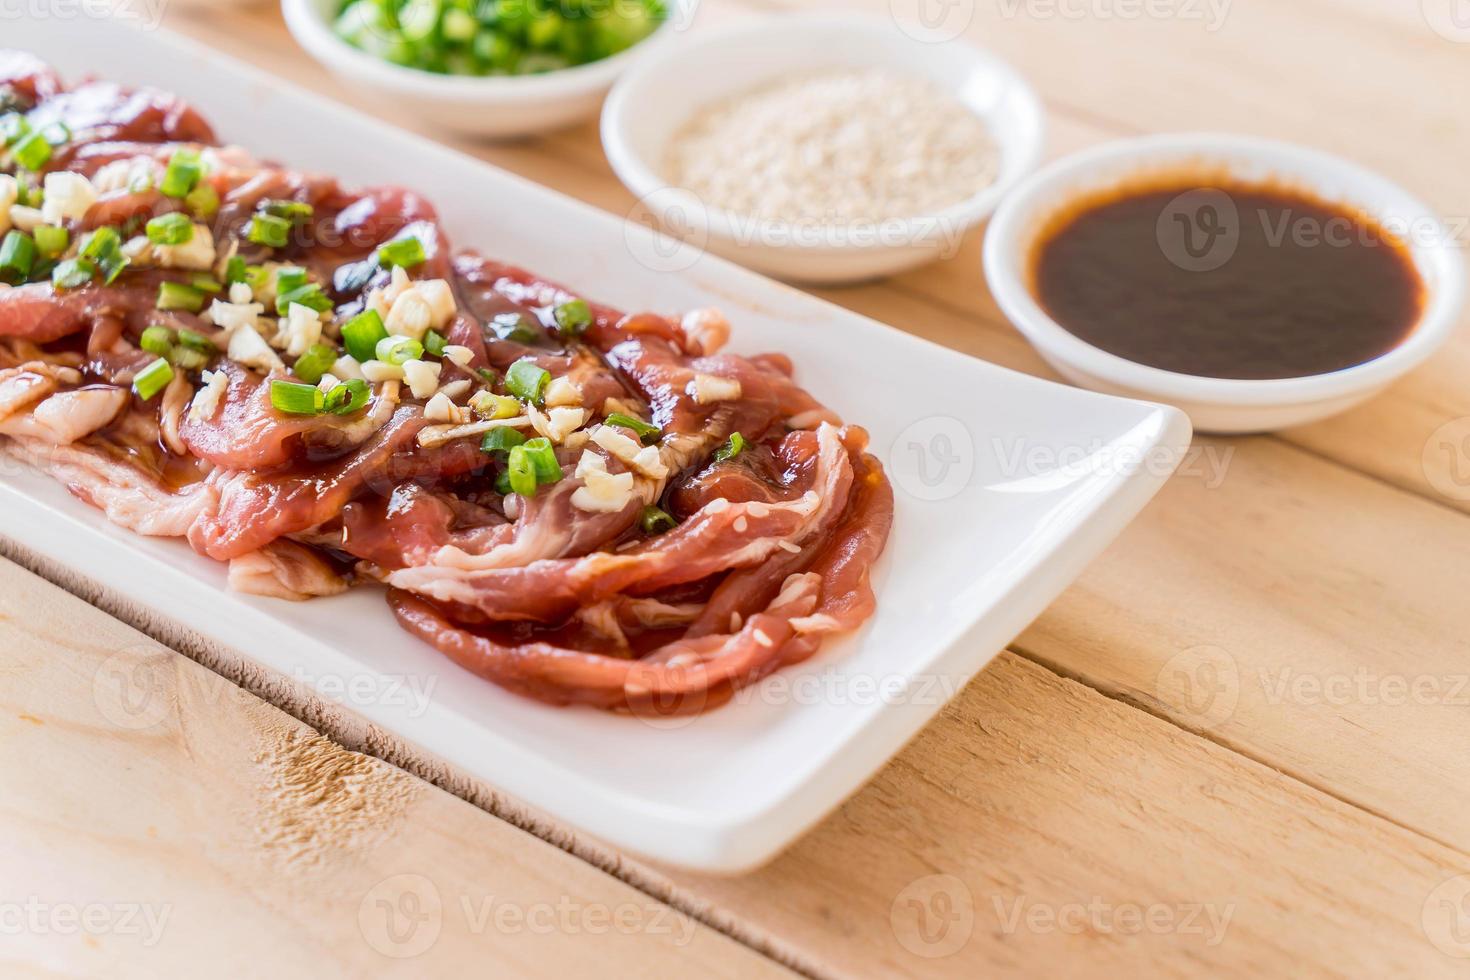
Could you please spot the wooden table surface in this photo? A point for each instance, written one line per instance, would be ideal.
(1236, 745)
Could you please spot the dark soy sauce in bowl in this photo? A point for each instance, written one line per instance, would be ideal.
(1226, 279)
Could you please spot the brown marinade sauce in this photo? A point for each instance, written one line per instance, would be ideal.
(1232, 280)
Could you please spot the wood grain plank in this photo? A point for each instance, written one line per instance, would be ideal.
(156, 819)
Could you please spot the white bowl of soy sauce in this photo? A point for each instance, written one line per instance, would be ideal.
(1254, 284)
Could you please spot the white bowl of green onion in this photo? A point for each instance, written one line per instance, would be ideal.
(496, 68)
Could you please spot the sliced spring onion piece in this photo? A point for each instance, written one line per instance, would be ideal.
(289, 277)
(203, 201)
(316, 362)
(491, 406)
(236, 270)
(205, 282)
(295, 212)
(543, 457)
(73, 273)
(269, 230)
(732, 448)
(17, 257)
(51, 240)
(434, 343)
(527, 381)
(502, 483)
(309, 295)
(101, 243)
(655, 521)
(521, 472)
(197, 341)
(170, 229)
(179, 296)
(398, 350)
(361, 334)
(152, 379)
(32, 152)
(182, 174)
(157, 340)
(646, 432)
(502, 440)
(515, 326)
(187, 359)
(348, 397)
(407, 252)
(573, 317)
(297, 399)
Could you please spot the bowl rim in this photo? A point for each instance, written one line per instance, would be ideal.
(1012, 228)
(1023, 145)
(308, 24)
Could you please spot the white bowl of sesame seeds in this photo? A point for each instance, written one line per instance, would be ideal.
(821, 148)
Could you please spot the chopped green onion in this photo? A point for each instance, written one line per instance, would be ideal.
(197, 341)
(289, 277)
(655, 521)
(157, 340)
(187, 359)
(398, 350)
(491, 406)
(317, 361)
(269, 230)
(179, 296)
(101, 244)
(257, 277)
(502, 440)
(17, 257)
(527, 381)
(182, 174)
(434, 343)
(646, 432)
(348, 397)
(309, 295)
(486, 375)
(73, 273)
(33, 152)
(502, 483)
(236, 270)
(205, 282)
(515, 326)
(521, 472)
(297, 399)
(170, 229)
(732, 448)
(203, 201)
(573, 317)
(152, 379)
(295, 212)
(361, 334)
(405, 252)
(52, 240)
(112, 267)
(543, 457)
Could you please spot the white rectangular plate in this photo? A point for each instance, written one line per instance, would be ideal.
(1006, 487)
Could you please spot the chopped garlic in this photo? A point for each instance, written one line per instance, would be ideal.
(422, 377)
(601, 492)
(68, 197)
(459, 355)
(650, 463)
(196, 255)
(207, 401)
(376, 371)
(9, 191)
(300, 328)
(561, 392)
(456, 390)
(558, 423)
(234, 316)
(615, 443)
(240, 293)
(26, 219)
(410, 316)
(347, 368)
(709, 388)
(249, 348)
(441, 409)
